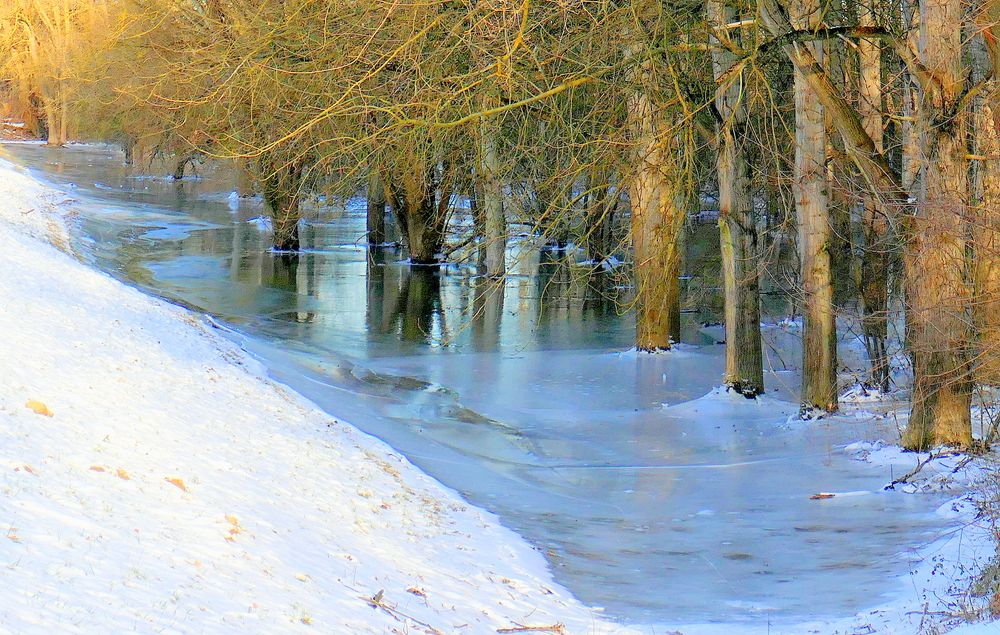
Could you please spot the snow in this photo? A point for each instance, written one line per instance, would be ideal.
(174, 488)
(977, 629)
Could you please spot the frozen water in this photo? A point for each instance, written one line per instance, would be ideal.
(651, 493)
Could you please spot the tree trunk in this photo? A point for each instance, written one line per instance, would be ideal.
(657, 222)
(281, 188)
(63, 118)
(737, 229)
(52, 127)
(986, 237)
(376, 210)
(478, 222)
(128, 144)
(424, 237)
(910, 137)
(600, 216)
(180, 167)
(819, 334)
(935, 259)
(494, 223)
(421, 218)
(875, 260)
(986, 233)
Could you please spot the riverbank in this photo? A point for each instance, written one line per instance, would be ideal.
(154, 479)
(157, 480)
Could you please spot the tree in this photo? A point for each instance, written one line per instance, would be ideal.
(819, 332)
(737, 225)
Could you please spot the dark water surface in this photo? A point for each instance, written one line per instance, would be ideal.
(521, 399)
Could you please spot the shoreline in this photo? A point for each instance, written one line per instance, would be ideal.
(262, 512)
(533, 578)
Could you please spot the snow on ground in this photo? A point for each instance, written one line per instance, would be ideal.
(152, 480)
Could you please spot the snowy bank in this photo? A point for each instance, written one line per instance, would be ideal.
(153, 479)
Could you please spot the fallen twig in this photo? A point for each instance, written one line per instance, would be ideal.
(376, 602)
(558, 629)
(920, 466)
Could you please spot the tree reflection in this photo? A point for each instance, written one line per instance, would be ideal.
(403, 300)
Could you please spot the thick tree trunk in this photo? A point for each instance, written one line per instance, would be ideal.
(181, 166)
(281, 188)
(53, 128)
(421, 217)
(819, 335)
(494, 234)
(986, 233)
(657, 223)
(875, 257)
(935, 262)
(424, 234)
(128, 144)
(737, 229)
(375, 223)
(986, 237)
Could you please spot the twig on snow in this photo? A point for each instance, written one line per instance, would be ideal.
(376, 602)
(920, 466)
(558, 629)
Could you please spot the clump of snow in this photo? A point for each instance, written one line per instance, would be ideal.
(263, 223)
(175, 488)
(860, 393)
(723, 403)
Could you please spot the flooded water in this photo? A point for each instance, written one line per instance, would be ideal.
(648, 498)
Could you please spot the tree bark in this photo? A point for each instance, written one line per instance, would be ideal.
(986, 237)
(737, 227)
(819, 334)
(421, 217)
(935, 262)
(281, 188)
(600, 216)
(375, 220)
(53, 129)
(986, 233)
(494, 223)
(875, 256)
(937, 332)
(657, 222)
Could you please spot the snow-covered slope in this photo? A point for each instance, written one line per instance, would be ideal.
(153, 480)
